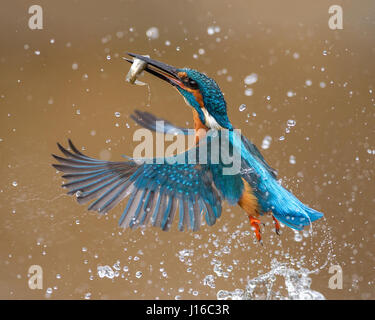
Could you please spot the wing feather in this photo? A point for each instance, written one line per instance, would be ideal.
(156, 191)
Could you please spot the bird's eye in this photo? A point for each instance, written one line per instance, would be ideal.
(193, 83)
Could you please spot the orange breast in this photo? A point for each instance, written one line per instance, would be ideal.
(200, 128)
(248, 201)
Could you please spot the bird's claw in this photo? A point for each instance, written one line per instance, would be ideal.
(254, 222)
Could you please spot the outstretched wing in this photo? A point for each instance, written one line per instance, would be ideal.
(148, 121)
(156, 190)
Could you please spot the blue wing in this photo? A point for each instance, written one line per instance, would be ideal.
(156, 190)
(148, 121)
(262, 178)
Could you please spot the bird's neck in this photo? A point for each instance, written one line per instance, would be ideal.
(199, 127)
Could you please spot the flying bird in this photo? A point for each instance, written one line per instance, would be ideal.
(195, 190)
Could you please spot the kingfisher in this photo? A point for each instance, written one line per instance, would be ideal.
(158, 190)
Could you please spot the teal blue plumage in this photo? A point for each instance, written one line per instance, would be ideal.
(271, 195)
(263, 179)
(157, 191)
(213, 98)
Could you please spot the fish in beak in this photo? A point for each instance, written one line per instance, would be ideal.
(159, 69)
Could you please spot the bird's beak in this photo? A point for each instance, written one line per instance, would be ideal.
(159, 69)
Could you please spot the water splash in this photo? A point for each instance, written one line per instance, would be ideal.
(105, 272)
(296, 286)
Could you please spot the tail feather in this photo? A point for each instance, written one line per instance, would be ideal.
(292, 212)
(271, 195)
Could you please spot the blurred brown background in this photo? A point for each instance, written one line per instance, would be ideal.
(67, 81)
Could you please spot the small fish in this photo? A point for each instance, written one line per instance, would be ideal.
(136, 68)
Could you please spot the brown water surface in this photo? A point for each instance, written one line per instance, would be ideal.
(67, 81)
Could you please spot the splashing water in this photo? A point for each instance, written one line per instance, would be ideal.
(296, 283)
(106, 272)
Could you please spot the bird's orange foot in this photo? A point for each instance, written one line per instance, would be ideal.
(277, 226)
(254, 222)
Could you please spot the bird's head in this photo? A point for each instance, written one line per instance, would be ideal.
(199, 91)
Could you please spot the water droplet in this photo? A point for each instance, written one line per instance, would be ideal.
(266, 142)
(37, 52)
(249, 92)
(250, 79)
(119, 34)
(242, 107)
(75, 66)
(297, 237)
(14, 183)
(138, 274)
(152, 33)
(209, 280)
(308, 82)
(48, 292)
(201, 51)
(291, 123)
(210, 30)
(292, 159)
(117, 114)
